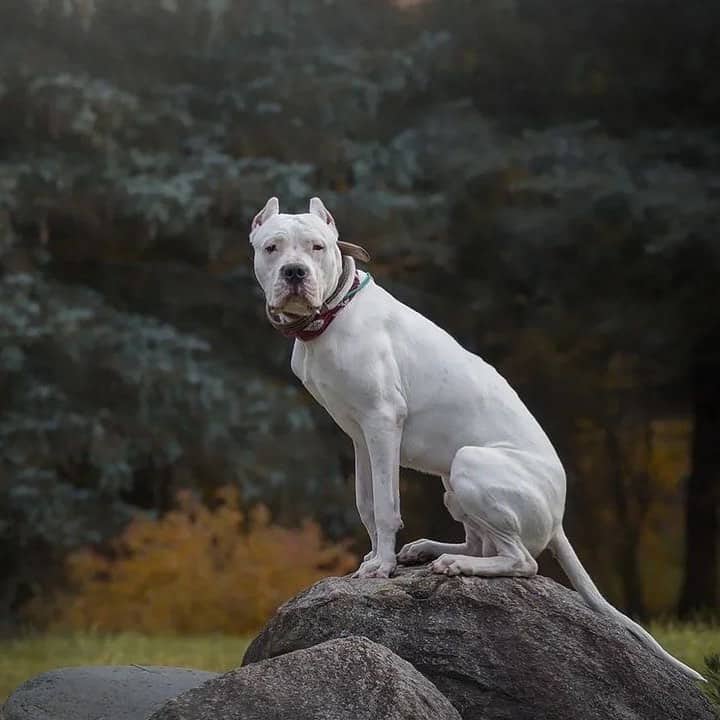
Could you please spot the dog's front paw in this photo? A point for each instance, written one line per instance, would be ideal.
(376, 567)
(416, 552)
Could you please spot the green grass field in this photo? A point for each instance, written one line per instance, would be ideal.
(690, 642)
(24, 657)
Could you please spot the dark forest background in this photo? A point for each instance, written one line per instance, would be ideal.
(541, 179)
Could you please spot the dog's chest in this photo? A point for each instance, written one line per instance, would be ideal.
(321, 376)
(302, 363)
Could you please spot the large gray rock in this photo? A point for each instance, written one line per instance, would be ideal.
(497, 648)
(347, 679)
(99, 693)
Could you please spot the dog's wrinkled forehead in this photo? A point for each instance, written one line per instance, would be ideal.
(292, 227)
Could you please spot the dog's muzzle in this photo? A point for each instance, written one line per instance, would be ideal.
(311, 326)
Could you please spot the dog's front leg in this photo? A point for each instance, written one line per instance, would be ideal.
(364, 493)
(382, 435)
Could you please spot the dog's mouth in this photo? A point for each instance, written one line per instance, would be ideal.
(294, 300)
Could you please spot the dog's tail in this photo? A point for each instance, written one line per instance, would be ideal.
(562, 549)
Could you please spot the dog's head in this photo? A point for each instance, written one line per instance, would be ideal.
(298, 258)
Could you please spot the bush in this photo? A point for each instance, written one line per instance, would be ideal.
(198, 569)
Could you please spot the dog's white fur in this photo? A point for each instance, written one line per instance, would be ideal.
(409, 395)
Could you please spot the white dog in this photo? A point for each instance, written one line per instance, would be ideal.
(409, 395)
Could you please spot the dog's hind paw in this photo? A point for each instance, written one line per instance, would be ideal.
(453, 565)
(417, 552)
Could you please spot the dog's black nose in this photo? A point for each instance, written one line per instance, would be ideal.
(294, 273)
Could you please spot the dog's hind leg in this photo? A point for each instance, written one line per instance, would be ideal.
(498, 496)
(512, 560)
(423, 550)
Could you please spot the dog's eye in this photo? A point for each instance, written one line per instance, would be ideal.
(318, 247)
(270, 248)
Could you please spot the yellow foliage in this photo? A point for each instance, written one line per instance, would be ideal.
(195, 570)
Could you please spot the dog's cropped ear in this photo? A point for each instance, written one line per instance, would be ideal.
(354, 251)
(272, 207)
(346, 248)
(317, 208)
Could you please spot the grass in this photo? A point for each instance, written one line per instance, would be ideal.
(23, 657)
(689, 642)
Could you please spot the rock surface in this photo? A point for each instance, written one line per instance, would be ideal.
(99, 693)
(350, 678)
(499, 648)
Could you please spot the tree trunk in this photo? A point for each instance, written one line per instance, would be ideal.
(700, 587)
(630, 527)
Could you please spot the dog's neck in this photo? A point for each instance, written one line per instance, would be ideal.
(343, 283)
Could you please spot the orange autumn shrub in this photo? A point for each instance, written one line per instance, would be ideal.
(195, 570)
